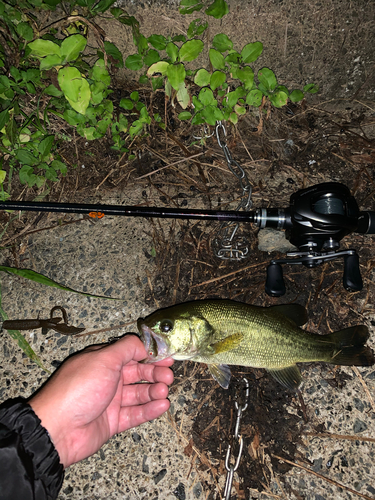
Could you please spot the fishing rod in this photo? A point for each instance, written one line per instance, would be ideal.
(316, 220)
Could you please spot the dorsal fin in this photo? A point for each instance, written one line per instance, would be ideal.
(294, 312)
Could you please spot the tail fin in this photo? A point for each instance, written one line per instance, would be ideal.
(349, 347)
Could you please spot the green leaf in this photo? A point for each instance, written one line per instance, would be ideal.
(312, 88)
(254, 98)
(196, 28)
(22, 342)
(45, 146)
(40, 278)
(159, 42)
(59, 165)
(246, 75)
(100, 74)
(73, 118)
(27, 176)
(233, 118)
(76, 89)
(185, 115)
(217, 79)
(159, 67)
(3, 174)
(202, 77)
(231, 98)
(240, 110)
(279, 99)
(134, 62)
(251, 52)
(222, 42)
(134, 95)
(114, 53)
(25, 157)
(53, 91)
(151, 57)
(206, 97)
(217, 59)
(212, 114)
(15, 72)
(190, 50)
(172, 51)
(176, 75)
(103, 5)
(190, 6)
(197, 104)
(283, 88)
(267, 78)
(198, 119)
(233, 57)
(126, 103)
(218, 9)
(51, 174)
(42, 48)
(179, 38)
(49, 62)
(25, 31)
(296, 95)
(72, 46)
(70, 81)
(4, 117)
(183, 96)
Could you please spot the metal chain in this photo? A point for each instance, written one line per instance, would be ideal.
(237, 438)
(226, 245)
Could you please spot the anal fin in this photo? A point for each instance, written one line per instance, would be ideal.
(290, 377)
(221, 373)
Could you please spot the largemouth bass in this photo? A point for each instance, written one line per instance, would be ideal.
(224, 332)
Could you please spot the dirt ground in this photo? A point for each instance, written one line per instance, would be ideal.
(328, 137)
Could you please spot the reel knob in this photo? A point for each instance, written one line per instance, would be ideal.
(352, 279)
(275, 286)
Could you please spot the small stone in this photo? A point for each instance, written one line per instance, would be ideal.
(136, 437)
(159, 476)
(145, 467)
(179, 492)
(359, 426)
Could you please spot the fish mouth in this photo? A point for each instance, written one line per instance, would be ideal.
(155, 345)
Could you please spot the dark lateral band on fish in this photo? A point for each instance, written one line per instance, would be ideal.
(224, 332)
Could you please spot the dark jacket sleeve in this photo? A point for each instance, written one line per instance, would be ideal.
(30, 466)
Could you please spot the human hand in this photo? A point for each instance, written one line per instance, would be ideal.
(95, 394)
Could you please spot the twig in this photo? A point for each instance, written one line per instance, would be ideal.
(335, 483)
(169, 165)
(212, 280)
(368, 394)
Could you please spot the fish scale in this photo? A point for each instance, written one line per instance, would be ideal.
(225, 332)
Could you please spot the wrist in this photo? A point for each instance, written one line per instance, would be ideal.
(52, 424)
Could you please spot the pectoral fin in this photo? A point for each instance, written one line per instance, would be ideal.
(221, 373)
(227, 344)
(290, 377)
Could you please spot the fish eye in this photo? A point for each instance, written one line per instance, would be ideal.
(166, 326)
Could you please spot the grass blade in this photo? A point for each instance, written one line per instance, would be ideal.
(40, 278)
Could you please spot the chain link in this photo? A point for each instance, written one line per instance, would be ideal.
(226, 245)
(231, 468)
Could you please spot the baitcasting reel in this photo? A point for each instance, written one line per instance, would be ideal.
(315, 222)
(317, 219)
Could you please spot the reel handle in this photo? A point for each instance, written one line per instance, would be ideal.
(275, 286)
(352, 279)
